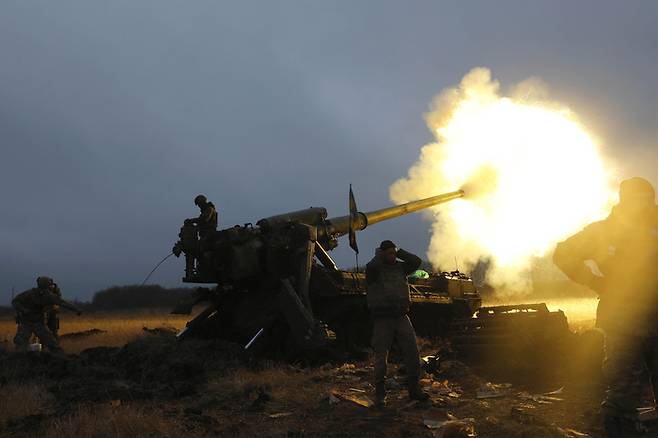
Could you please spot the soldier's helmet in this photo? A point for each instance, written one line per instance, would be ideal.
(636, 189)
(44, 282)
(200, 200)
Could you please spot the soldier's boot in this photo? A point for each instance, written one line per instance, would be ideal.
(20, 343)
(415, 392)
(20, 347)
(380, 395)
(613, 426)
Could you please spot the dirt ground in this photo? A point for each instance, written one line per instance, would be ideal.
(127, 381)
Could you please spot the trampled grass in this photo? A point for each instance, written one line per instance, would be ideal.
(264, 398)
(119, 420)
(30, 409)
(21, 402)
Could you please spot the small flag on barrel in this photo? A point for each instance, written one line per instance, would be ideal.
(353, 216)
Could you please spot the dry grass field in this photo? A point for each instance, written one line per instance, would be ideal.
(156, 387)
(118, 328)
(30, 409)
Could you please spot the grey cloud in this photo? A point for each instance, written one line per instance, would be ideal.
(113, 115)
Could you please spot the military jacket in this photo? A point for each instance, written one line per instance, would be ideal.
(32, 303)
(626, 256)
(208, 219)
(387, 287)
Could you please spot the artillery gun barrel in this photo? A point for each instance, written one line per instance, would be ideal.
(340, 226)
(400, 210)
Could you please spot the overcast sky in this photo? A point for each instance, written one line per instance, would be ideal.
(114, 115)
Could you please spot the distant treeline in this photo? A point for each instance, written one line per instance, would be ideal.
(136, 297)
(126, 298)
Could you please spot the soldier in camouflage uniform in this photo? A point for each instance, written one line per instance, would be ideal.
(624, 248)
(31, 307)
(207, 220)
(388, 302)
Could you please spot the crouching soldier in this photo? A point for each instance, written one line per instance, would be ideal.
(388, 302)
(31, 307)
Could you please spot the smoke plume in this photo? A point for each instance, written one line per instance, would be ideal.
(532, 175)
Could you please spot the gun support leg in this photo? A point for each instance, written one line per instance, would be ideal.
(304, 274)
(302, 325)
(196, 322)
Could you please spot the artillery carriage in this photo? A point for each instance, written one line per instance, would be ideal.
(278, 287)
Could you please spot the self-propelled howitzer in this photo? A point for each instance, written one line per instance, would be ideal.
(264, 273)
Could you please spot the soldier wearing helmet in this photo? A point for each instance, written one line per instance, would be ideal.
(388, 301)
(207, 220)
(31, 307)
(617, 258)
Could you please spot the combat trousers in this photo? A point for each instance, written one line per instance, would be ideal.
(628, 360)
(385, 331)
(25, 330)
